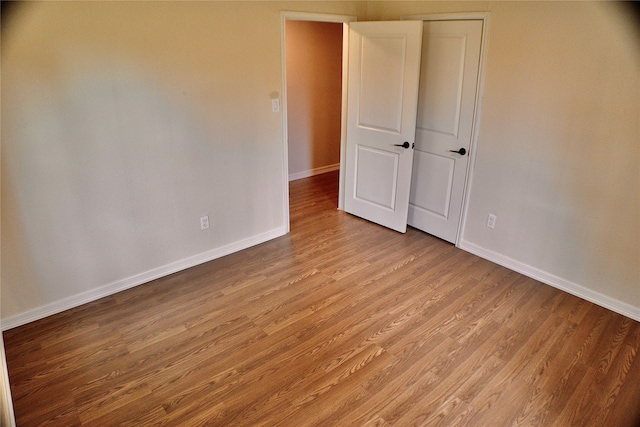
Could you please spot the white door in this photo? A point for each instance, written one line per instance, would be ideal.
(382, 98)
(448, 82)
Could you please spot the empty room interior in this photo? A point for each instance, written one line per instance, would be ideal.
(196, 228)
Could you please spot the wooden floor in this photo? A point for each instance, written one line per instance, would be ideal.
(340, 323)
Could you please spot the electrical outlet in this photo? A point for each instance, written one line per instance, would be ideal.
(204, 222)
(275, 105)
(491, 221)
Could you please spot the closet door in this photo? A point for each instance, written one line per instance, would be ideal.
(446, 107)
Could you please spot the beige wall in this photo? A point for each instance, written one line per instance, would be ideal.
(124, 122)
(558, 154)
(314, 94)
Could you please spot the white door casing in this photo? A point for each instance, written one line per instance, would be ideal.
(382, 99)
(448, 85)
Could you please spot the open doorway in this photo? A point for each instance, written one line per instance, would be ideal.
(313, 67)
(313, 62)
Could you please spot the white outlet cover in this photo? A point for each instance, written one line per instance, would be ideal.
(204, 222)
(491, 221)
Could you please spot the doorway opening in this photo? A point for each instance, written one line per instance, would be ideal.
(314, 97)
(313, 94)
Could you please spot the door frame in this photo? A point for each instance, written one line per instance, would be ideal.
(485, 17)
(313, 17)
(344, 19)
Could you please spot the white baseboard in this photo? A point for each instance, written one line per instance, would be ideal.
(312, 172)
(607, 302)
(138, 279)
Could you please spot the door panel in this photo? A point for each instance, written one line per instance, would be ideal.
(381, 86)
(431, 183)
(448, 84)
(382, 98)
(440, 98)
(372, 169)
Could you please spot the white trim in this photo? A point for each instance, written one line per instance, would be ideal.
(314, 172)
(301, 16)
(343, 114)
(454, 16)
(7, 417)
(283, 111)
(486, 18)
(317, 17)
(138, 279)
(605, 301)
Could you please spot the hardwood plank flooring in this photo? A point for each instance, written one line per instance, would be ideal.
(339, 323)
